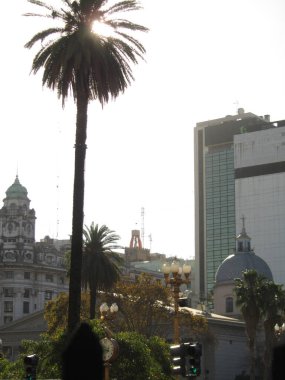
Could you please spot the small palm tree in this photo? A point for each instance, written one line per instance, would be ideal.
(100, 264)
(90, 66)
(248, 291)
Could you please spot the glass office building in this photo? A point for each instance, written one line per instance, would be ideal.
(215, 226)
(220, 210)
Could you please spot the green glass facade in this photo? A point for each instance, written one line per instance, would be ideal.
(220, 209)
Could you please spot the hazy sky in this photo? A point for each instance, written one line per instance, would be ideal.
(203, 56)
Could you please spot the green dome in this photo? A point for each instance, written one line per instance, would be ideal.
(16, 190)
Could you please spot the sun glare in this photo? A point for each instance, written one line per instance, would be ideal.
(102, 29)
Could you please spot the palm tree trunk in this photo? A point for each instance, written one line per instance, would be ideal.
(78, 212)
(93, 298)
(252, 358)
(269, 339)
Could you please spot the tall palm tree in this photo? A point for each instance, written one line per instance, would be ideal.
(272, 307)
(248, 298)
(77, 61)
(100, 264)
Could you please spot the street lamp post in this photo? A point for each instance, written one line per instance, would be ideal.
(110, 345)
(173, 275)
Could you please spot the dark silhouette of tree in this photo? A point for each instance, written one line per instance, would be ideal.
(249, 301)
(272, 308)
(76, 60)
(260, 301)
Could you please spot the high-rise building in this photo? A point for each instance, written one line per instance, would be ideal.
(215, 203)
(260, 192)
(30, 273)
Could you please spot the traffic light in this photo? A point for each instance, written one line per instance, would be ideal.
(193, 353)
(178, 359)
(31, 362)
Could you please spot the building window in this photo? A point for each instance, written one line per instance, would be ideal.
(240, 246)
(8, 306)
(26, 307)
(26, 293)
(8, 319)
(49, 259)
(48, 295)
(61, 280)
(49, 277)
(27, 275)
(229, 305)
(8, 292)
(9, 274)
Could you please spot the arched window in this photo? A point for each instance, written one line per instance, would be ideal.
(229, 305)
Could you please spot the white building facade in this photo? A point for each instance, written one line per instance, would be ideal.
(30, 273)
(260, 193)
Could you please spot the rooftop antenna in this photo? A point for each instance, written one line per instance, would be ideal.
(150, 241)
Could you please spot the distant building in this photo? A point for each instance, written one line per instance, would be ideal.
(239, 170)
(30, 273)
(136, 252)
(233, 267)
(260, 192)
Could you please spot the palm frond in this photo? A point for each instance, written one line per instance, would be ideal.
(41, 36)
(124, 6)
(42, 4)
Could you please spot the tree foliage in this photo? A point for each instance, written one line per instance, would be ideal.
(145, 306)
(141, 358)
(56, 311)
(141, 305)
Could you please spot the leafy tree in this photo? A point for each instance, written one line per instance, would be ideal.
(248, 291)
(56, 311)
(100, 266)
(48, 350)
(75, 59)
(141, 305)
(195, 328)
(141, 359)
(145, 308)
(11, 370)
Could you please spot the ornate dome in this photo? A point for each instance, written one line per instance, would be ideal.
(243, 259)
(233, 266)
(16, 190)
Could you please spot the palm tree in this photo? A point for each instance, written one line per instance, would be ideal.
(248, 298)
(272, 307)
(100, 264)
(77, 61)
